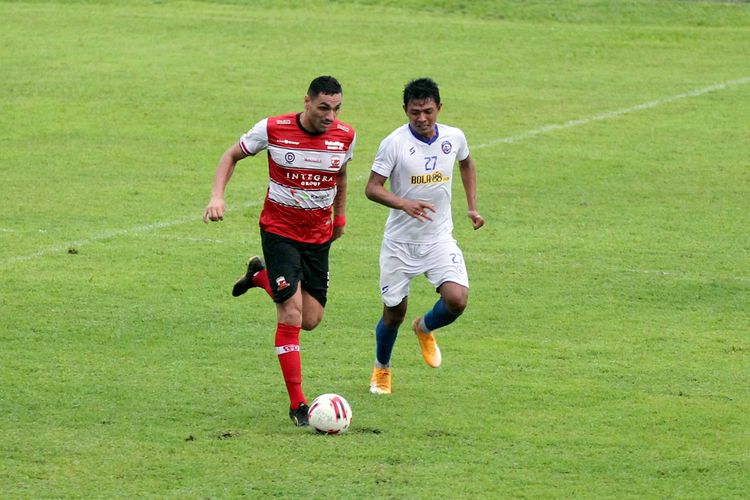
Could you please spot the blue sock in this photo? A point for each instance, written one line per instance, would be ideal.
(439, 316)
(384, 339)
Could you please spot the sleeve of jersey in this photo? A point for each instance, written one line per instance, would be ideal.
(463, 149)
(350, 151)
(256, 139)
(385, 159)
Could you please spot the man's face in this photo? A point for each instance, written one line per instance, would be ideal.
(422, 114)
(321, 111)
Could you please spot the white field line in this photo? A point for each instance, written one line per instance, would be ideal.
(502, 140)
(146, 228)
(613, 114)
(199, 240)
(674, 274)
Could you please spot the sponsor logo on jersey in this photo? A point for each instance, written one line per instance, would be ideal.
(342, 127)
(313, 160)
(319, 197)
(446, 146)
(283, 122)
(334, 145)
(309, 180)
(299, 196)
(433, 178)
(287, 141)
(289, 157)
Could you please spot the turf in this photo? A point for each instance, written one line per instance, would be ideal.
(605, 349)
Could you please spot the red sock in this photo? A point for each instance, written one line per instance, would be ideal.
(260, 279)
(287, 348)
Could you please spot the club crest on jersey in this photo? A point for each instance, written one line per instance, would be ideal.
(446, 146)
(289, 157)
(335, 162)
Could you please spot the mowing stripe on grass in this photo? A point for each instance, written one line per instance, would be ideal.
(62, 247)
(613, 114)
(683, 275)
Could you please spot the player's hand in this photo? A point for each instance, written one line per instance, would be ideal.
(338, 232)
(477, 220)
(214, 211)
(419, 209)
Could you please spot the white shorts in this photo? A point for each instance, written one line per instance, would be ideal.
(401, 262)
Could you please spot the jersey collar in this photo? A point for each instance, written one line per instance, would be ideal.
(299, 124)
(422, 139)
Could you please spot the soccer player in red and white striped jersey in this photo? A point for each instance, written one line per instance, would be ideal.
(303, 212)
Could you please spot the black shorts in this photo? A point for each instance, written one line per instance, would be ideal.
(290, 263)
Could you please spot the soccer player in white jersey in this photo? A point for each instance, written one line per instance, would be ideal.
(419, 159)
(303, 212)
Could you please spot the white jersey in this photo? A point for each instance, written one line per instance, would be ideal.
(419, 169)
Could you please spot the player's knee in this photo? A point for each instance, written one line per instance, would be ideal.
(394, 316)
(456, 305)
(310, 323)
(312, 315)
(393, 322)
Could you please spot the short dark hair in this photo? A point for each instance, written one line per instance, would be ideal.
(324, 85)
(421, 89)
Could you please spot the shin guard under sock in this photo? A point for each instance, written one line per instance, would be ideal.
(385, 338)
(287, 348)
(439, 316)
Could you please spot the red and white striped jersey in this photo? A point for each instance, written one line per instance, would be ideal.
(302, 171)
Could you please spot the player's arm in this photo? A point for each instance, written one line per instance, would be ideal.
(215, 209)
(469, 179)
(339, 204)
(376, 191)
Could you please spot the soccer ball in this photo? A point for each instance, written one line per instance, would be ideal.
(330, 414)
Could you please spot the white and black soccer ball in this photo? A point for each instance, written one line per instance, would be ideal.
(330, 414)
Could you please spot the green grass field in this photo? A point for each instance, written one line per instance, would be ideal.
(605, 352)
